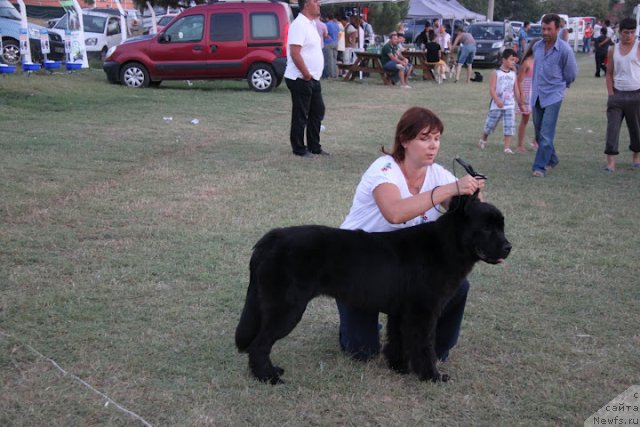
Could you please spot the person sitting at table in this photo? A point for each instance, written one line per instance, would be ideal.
(393, 63)
(434, 57)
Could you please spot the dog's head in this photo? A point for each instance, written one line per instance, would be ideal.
(482, 230)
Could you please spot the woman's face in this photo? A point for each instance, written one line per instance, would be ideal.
(424, 148)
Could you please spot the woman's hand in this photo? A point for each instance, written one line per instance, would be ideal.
(468, 185)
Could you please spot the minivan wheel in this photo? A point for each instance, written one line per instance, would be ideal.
(11, 52)
(135, 75)
(262, 78)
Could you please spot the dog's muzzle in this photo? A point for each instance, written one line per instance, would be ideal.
(504, 253)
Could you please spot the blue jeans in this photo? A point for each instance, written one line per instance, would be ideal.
(544, 122)
(467, 54)
(360, 332)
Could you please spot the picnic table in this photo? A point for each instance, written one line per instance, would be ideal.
(370, 62)
(366, 62)
(419, 60)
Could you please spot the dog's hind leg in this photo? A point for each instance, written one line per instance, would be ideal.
(277, 322)
(394, 349)
(249, 323)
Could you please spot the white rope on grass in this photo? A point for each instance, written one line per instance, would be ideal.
(81, 381)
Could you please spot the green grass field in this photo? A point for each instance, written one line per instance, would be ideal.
(125, 240)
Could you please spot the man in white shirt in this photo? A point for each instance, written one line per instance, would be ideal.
(305, 63)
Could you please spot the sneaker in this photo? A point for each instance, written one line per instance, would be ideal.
(538, 174)
(482, 143)
(405, 87)
(508, 151)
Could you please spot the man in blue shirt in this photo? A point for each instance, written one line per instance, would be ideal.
(523, 39)
(554, 69)
(330, 48)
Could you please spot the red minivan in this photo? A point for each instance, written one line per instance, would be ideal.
(220, 40)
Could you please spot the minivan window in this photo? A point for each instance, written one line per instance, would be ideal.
(226, 27)
(114, 27)
(8, 11)
(186, 29)
(264, 26)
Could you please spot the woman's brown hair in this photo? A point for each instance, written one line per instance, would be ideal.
(412, 122)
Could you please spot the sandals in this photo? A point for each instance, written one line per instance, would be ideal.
(538, 174)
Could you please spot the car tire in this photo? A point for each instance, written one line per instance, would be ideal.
(262, 77)
(134, 75)
(11, 52)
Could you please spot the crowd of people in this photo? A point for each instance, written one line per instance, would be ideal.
(406, 187)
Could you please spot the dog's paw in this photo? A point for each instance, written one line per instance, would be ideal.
(276, 381)
(399, 367)
(434, 377)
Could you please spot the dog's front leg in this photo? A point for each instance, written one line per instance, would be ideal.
(423, 357)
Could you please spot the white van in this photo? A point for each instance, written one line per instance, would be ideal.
(101, 31)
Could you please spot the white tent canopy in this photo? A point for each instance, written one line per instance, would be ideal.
(441, 9)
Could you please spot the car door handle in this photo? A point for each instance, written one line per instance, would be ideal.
(197, 47)
(214, 48)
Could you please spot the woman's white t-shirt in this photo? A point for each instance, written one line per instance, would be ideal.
(365, 214)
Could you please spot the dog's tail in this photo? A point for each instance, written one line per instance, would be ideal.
(250, 318)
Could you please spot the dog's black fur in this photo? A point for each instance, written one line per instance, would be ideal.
(410, 274)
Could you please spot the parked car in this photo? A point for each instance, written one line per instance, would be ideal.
(10, 24)
(160, 12)
(492, 38)
(235, 40)
(101, 31)
(163, 22)
(133, 17)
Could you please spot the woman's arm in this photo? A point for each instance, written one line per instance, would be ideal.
(397, 210)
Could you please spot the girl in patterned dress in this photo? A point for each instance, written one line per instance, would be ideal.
(524, 107)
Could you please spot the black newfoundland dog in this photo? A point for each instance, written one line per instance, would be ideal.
(409, 274)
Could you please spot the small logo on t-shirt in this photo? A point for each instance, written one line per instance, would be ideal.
(386, 167)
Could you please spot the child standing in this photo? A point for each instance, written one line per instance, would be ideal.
(504, 92)
(525, 74)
